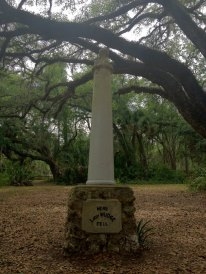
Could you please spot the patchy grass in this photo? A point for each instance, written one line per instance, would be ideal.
(160, 187)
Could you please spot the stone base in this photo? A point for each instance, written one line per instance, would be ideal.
(100, 219)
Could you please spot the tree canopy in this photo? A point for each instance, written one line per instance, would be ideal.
(47, 52)
(167, 46)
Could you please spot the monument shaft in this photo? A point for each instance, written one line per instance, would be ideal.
(101, 159)
(101, 214)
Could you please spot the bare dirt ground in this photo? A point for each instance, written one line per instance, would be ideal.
(32, 233)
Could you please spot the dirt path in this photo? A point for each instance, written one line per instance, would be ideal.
(32, 230)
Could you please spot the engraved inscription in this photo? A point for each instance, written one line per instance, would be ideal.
(101, 216)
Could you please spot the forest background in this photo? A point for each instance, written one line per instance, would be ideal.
(158, 91)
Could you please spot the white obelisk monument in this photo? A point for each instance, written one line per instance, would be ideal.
(101, 212)
(101, 159)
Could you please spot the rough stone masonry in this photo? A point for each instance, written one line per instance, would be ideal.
(97, 228)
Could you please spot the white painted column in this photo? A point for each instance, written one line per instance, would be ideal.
(101, 159)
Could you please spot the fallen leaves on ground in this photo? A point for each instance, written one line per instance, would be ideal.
(32, 233)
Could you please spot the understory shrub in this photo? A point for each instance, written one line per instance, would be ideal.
(128, 174)
(155, 174)
(4, 180)
(20, 173)
(74, 175)
(165, 174)
(198, 184)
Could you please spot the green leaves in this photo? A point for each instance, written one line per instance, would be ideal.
(144, 232)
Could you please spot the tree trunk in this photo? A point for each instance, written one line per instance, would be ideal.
(126, 147)
(55, 170)
(142, 155)
(169, 157)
